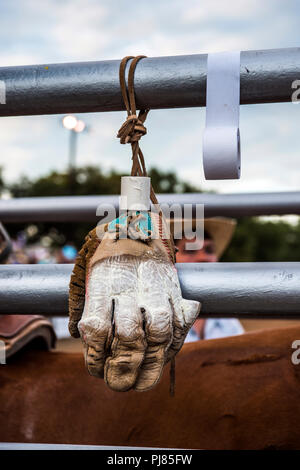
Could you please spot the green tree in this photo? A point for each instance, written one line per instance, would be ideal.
(254, 239)
(260, 240)
(88, 180)
(91, 180)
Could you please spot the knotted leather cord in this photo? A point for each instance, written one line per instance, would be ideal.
(130, 132)
(133, 128)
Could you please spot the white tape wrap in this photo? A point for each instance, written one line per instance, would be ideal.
(135, 193)
(221, 138)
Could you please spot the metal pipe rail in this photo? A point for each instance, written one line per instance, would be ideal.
(31, 446)
(244, 290)
(160, 82)
(83, 208)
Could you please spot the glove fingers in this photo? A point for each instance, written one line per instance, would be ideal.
(152, 367)
(159, 337)
(96, 334)
(185, 313)
(128, 347)
(190, 310)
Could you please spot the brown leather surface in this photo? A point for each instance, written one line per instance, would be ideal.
(239, 392)
(19, 330)
(11, 325)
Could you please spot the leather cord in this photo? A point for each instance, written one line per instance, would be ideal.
(131, 132)
(133, 128)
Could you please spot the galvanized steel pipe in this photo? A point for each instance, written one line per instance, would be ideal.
(83, 208)
(244, 290)
(160, 82)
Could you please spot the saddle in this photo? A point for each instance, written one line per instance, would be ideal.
(18, 331)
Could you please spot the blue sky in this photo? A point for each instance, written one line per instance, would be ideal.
(54, 31)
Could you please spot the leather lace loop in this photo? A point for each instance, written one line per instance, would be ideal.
(131, 132)
(133, 128)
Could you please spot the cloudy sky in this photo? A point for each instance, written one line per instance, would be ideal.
(53, 31)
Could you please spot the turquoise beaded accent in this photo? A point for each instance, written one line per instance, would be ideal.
(141, 224)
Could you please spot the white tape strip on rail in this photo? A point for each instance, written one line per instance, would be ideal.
(221, 138)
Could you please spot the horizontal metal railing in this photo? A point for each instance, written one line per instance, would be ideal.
(83, 208)
(226, 289)
(160, 82)
(244, 290)
(31, 446)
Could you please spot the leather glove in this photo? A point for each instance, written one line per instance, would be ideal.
(132, 318)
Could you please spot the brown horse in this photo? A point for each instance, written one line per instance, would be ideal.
(234, 393)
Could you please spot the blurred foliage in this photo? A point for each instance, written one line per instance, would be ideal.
(91, 180)
(87, 180)
(254, 239)
(261, 240)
